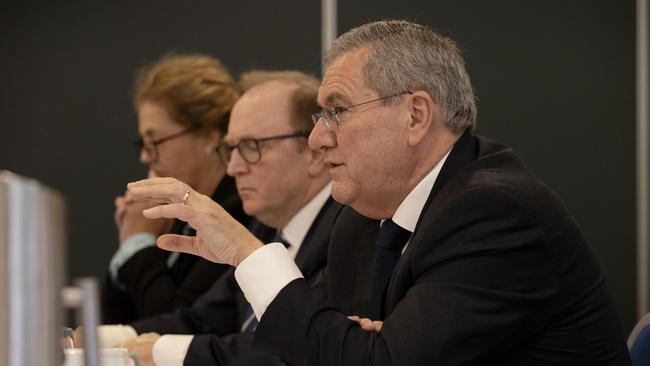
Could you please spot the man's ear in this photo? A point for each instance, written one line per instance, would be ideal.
(316, 162)
(424, 116)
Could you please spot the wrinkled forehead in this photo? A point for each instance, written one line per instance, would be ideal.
(344, 79)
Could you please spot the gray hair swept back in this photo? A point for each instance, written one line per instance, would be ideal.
(404, 56)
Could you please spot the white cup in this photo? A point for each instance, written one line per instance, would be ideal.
(107, 356)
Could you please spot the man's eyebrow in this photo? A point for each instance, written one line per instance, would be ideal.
(335, 98)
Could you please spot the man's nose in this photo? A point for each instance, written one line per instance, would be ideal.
(321, 138)
(236, 164)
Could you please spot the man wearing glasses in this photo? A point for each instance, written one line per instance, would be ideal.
(284, 185)
(477, 261)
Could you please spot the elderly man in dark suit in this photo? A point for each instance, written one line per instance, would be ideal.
(477, 261)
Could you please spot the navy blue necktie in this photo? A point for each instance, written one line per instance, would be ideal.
(390, 243)
(250, 322)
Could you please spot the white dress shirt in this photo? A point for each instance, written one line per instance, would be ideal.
(409, 211)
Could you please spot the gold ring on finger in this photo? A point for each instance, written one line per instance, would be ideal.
(185, 197)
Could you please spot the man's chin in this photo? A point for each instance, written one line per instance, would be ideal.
(343, 193)
(250, 208)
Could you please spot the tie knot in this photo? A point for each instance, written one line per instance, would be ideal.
(392, 236)
(279, 238)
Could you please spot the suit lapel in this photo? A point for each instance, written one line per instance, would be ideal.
(312, 255)
(464, 152)
(349, 277)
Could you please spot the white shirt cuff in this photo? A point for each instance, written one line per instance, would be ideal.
(264, 273)
(113, 335)
(170, 349)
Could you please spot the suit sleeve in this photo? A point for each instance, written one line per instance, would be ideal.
(472, 281)
(217, 312)
(155, 289)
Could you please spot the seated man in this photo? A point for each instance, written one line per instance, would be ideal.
(477, 261)
(284, 185)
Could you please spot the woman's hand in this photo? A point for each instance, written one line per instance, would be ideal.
(129, 219)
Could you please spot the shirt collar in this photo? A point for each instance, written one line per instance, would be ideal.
(408, 212)
(296, 229)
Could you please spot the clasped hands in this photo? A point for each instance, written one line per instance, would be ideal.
(219, 237)
(129, 220)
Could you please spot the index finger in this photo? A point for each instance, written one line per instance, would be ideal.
(151, 181)
(172, 211)
(170, 192)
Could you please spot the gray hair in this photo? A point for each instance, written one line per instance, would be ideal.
(405, 56)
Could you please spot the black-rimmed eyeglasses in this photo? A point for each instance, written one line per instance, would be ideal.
(151, 147)
(250, 149)
(330, 115)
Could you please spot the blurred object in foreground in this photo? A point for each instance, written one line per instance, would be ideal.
(32, 271)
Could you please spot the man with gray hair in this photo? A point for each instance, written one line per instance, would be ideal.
(477, 261)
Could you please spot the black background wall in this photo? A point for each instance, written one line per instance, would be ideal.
(554, 79)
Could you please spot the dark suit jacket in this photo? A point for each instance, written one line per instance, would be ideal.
(154, 288)
(217, 316)
(496, 273)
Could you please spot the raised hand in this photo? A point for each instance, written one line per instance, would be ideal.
(219, 237)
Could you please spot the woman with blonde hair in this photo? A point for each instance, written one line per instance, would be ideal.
(183, 104)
